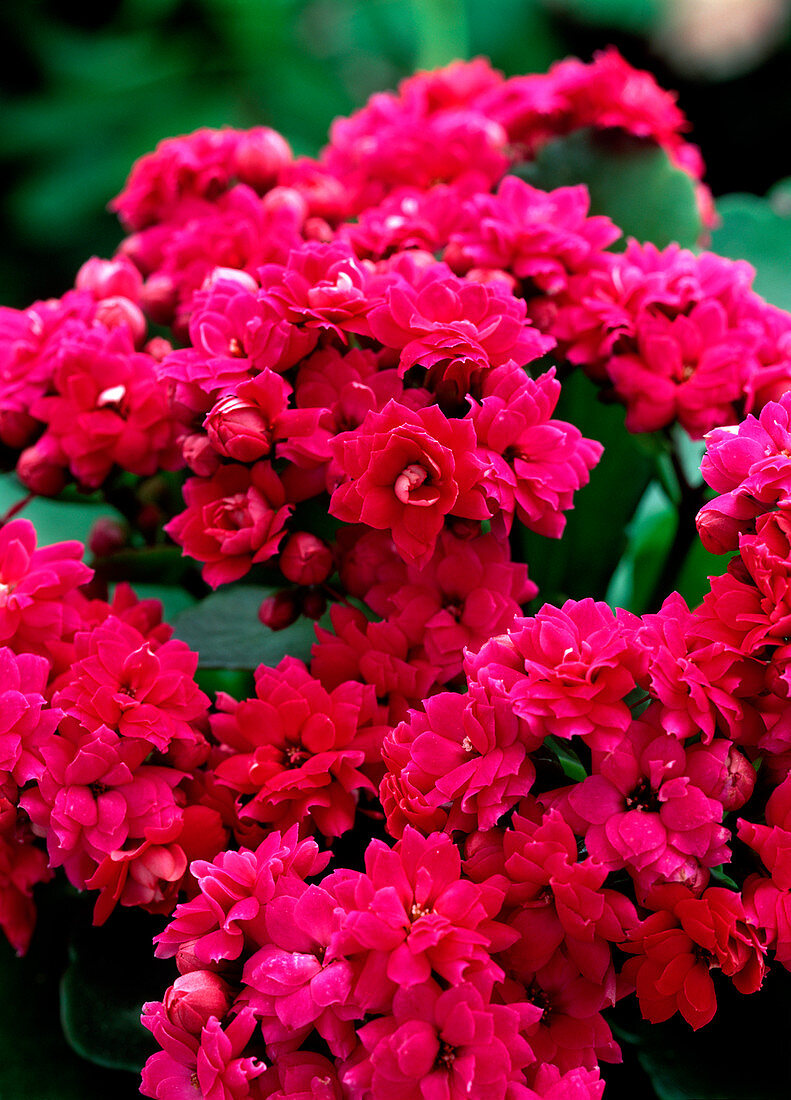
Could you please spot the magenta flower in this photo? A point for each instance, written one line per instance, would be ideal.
(228, 915)
(294, 753)
(565, 672)
(120, 680)
(233, 520)
(34, 585)
(456, 329)
(535, 464)
(453, 1044)
(461, 764)
(405, 472)
(412, 913)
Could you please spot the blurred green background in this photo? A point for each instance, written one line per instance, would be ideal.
(85, 91)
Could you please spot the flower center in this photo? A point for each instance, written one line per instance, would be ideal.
(413, 486)
(446, 1056)
(643, 797)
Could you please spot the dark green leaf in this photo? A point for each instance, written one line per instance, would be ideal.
(569, 761)
(650, 534)
(699, 565)
(753, 230)
(582, 562)
(225, 631)
(36, 1062)
(104, 988)
(637, 16)
(631, 180)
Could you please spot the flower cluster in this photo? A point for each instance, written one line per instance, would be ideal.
(357, 386)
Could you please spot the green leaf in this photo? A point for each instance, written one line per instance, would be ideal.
(569, 761)
(36, 1062)
(753, 230)
(104, 988)
(54, 520)
(650, 534)
(582, 562)
(631, 180)
(698, 568)
(225, 631)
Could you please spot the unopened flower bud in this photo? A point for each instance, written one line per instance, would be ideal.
(110, 278)
(306, 559)
(279, 611)
(317, 229)
(738, 781)
(158, 347)
(314, 604)
(17, 428)
(107, 536)
(41, 468)
(260, 156)
(199, 455)
(196, 996)
(114, 312)
(158, 298)
(238, 429)
(286, 198)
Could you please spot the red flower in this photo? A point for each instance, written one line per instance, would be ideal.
(232, 520)
(406, 471)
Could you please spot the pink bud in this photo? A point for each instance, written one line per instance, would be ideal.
(260, 156)
(279, 611)
(41, 468)
(107, 536)
(314, 604)
(158, 347)
(317, 229)
(196, 996)
(738, 782)
(110, 278)
(286, 199)
(199, 455)
(238, 429)
(722, 520)
(306, 559)
(114, 312)
(17, 428)
(158, 298)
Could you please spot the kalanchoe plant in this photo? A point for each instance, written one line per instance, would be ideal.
(426, 853)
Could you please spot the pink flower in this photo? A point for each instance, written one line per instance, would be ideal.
(453, 1044)
(412, 913)
(641, 810)
(26, 722)
(294, 753)
(118, 679)
(233, 520)
(456, 329)
(677, 946)
(539, 236)
(565, 672)
(34, 586)
(405, 472)
(460, 765)
(108, 408)
(535, 464)
(228, 914)
(293, 982)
